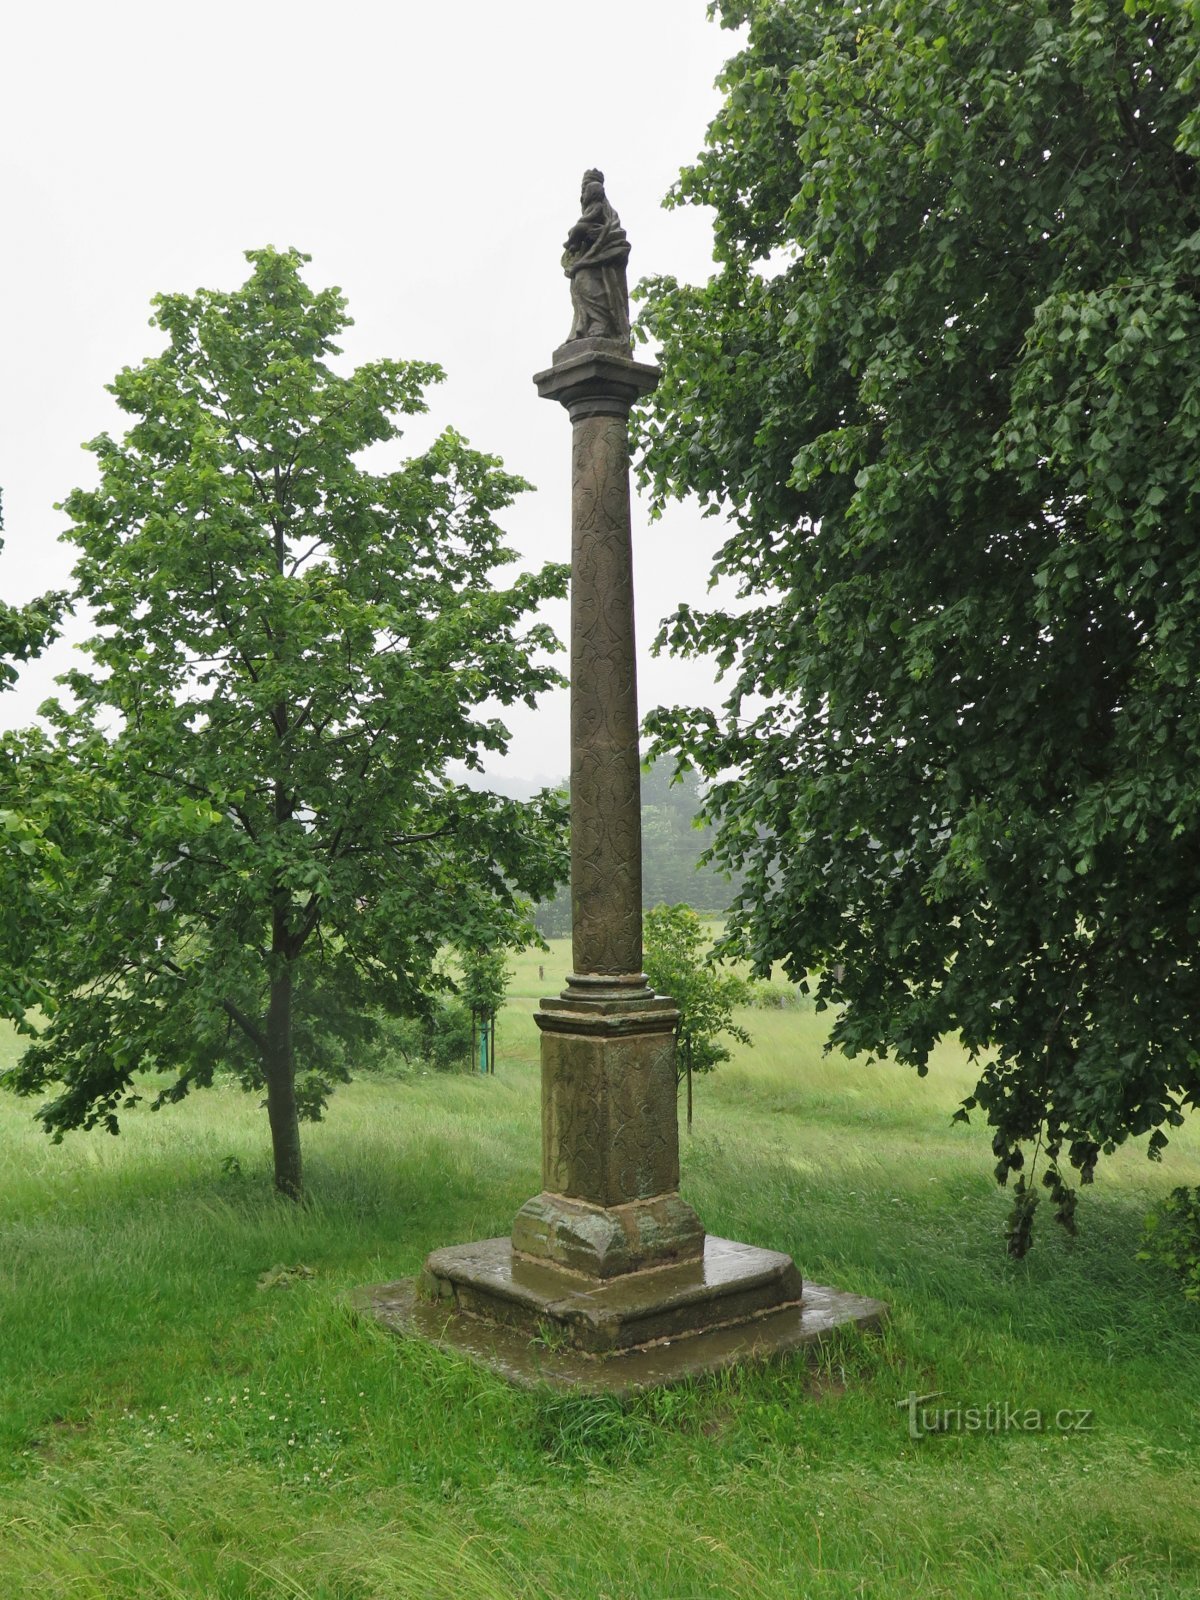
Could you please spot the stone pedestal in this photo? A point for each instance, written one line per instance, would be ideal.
(497, 1319)
(610, 1144)
(608, 1268)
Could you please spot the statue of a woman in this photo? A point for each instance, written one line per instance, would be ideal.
(595, 255)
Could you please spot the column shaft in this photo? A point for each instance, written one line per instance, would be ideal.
(610, 1136)
(606, 825)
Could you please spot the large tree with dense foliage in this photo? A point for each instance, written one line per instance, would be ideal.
(290, 648)
(946, 380)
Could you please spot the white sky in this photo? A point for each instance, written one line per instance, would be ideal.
(427, 156)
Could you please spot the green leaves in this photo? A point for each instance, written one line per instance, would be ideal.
(678, 963)
(1171, 1238)
(30, 859)
(945, 386)
(485, 978)
(290, 649)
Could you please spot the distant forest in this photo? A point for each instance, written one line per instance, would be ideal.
(671, 848)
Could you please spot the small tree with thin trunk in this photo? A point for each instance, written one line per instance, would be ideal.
(290, 648)
(677, 961)
(484, 984)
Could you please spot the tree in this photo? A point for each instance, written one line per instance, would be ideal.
(290, 649)
(677, 963)
(484, 984)
(25, 631)
(29, 856)
(947, 384)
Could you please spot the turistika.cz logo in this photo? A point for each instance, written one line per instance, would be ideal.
(998, 1416)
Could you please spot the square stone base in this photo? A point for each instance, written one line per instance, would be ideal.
(535, 1323)
(729, 1283)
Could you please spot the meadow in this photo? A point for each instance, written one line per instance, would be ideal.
(180, 1418)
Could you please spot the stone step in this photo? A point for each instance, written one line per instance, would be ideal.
(730, 1283)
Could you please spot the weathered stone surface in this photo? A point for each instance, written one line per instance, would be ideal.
(602, 1242)
(595, 377)
(728, 1282)
(610, 1133)
(606, 843)
(609, 1128)
(606, 846)
(594, 258)
(547, 1360)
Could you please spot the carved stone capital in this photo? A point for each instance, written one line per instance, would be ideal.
(596, 377)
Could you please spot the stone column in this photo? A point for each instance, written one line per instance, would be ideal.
(610, 1132)
(606, 822)
(572, 1284)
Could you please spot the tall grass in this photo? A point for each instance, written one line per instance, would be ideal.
(169, 1428)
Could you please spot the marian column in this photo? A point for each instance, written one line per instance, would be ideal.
(607, 1280)
(610, 1136)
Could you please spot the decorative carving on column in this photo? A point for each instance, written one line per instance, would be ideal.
(606, 830)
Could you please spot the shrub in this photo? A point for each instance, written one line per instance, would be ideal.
(1172, 1238)
(767, 996)
(440, 1040)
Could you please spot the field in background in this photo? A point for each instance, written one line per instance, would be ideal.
(169, 1429)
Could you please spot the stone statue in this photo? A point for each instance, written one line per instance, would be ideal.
(594, 259)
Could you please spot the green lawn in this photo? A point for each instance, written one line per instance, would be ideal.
(169, 1429)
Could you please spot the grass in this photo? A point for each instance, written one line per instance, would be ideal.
(170, 1429)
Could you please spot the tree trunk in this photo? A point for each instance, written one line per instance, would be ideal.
(279, 1059)
(280, 1068)
(687, 1061)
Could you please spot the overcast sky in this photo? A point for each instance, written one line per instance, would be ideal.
(427, 156)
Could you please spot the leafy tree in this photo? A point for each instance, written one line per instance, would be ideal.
(440, 1037)
(290, 648)
(25, 631)
(484, 984)
(947, 383)
(29, 856)
(677, 963)
(1171, 1237)
(34, 806)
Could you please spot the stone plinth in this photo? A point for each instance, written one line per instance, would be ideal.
(547, 1357)
(610, 1140)
(725, 1283)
